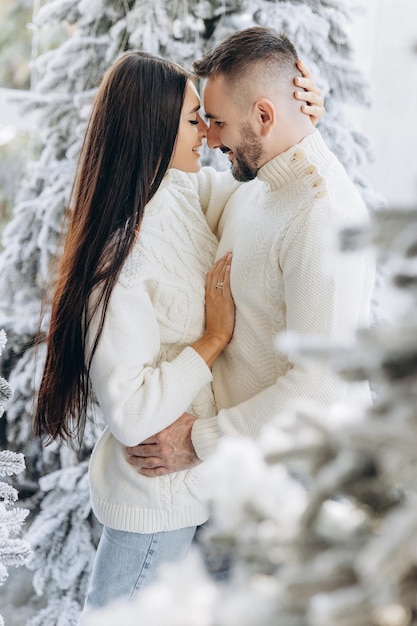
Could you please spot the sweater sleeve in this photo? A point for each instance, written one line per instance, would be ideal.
(324, 297)
(214, 190)
(137, 398)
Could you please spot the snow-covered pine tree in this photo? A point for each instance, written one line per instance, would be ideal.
(13, 550)
(64, 79)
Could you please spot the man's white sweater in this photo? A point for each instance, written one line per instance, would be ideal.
(287, 275)
(144, 373)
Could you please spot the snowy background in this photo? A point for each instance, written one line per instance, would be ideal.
(384, 39)
(346, 552)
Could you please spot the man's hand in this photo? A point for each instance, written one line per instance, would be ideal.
(169, 451)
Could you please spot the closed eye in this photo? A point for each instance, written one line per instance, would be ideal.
(211, 120)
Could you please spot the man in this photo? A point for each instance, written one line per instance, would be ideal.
(282, 228)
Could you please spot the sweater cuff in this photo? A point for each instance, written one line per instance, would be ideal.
(205, 436)
(193, 369)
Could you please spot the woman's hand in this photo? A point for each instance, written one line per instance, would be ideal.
(220, 308)
(220, 311)
(310, 94)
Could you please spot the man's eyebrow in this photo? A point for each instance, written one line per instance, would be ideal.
(210, 116)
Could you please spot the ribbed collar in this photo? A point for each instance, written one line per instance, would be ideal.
(291, 164)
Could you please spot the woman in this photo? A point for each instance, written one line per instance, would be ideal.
(128, 319)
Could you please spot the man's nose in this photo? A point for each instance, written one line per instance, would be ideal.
(213, 139)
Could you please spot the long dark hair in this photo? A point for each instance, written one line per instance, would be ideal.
(126, 152)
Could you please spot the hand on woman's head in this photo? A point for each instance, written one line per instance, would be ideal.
(310, 94)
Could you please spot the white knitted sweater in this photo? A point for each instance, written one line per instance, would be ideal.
(287, 275)
(143, 374)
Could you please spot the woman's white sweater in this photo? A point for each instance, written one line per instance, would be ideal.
(144, 374)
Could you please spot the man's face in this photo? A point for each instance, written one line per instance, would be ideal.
(230, 131)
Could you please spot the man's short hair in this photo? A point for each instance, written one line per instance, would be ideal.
(245, 49)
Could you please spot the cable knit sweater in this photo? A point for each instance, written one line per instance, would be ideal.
(287, 275)
(144, 374)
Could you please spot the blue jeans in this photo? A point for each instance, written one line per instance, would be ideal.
(125, 562)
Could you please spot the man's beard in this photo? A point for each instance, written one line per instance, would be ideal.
(247, 155)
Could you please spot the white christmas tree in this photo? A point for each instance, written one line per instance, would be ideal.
(13, 550)
(88, 36)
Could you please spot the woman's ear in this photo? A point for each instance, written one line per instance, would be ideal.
(265, 115)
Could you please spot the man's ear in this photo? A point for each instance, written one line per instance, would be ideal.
(265, 115)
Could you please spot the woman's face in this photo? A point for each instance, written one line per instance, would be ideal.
(191, 130)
